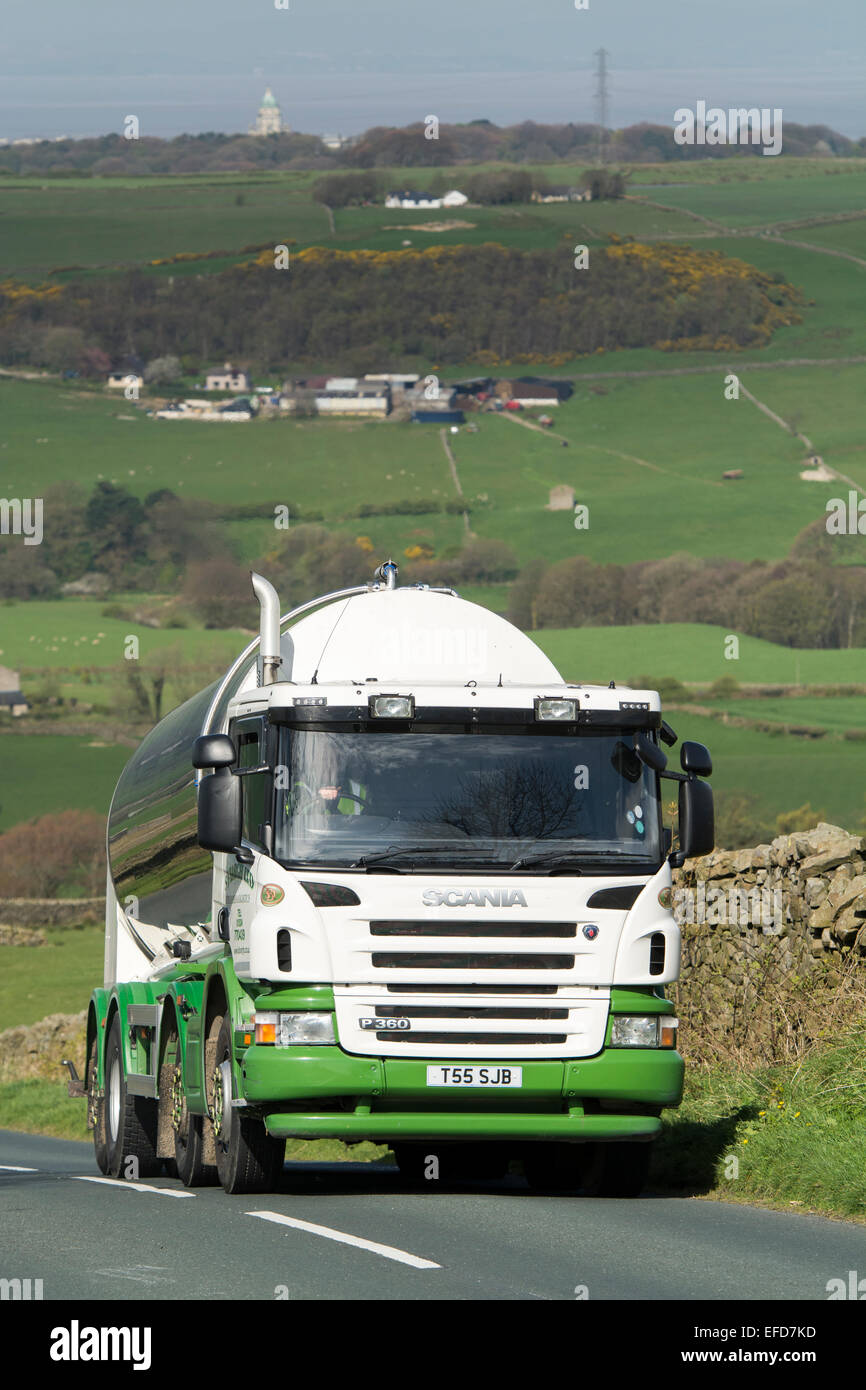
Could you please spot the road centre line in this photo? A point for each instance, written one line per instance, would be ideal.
(134, 1186)
(13, 1168)
(389, 1252)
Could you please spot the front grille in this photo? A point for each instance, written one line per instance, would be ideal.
(467, 1011)
(405, 960)
(530, 930)
(472, 989)
(473, 1039)
(469, 1021)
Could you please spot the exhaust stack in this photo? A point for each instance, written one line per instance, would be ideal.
(269, 628)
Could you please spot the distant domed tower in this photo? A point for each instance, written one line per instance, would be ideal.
(268, 121)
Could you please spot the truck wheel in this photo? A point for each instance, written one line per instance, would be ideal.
(557, 1167)
(248, 1159)
(96, 1107)
(130, 1121)
(188, 1161)
(624, 1169)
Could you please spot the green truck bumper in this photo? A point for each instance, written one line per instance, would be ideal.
(324, 1092)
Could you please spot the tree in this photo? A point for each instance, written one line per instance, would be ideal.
(61, 348)
(93, 362)
(162, 369)
(64, 851)
(24, 573)
(219, 592)
(115, 521)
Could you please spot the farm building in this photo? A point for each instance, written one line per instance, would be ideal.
(528, 394)
(411, 198)
(398, 381)
(438, 417)
(420, 400)
(363, 400)
(10, 691)
(227, 380)
(559, 193)
(118, 381)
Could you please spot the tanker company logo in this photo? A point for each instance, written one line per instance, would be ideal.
(473, 897)
(272, 894)
(239, 871)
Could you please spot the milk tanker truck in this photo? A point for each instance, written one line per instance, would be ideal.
(393, 879)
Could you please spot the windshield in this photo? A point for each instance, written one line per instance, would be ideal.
(497, 800)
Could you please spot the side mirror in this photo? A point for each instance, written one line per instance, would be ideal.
(695, 759)
(219, 811)
(650, 753)
(213, 750)
(697, 819)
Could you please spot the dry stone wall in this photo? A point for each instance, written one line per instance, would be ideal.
(768, 933)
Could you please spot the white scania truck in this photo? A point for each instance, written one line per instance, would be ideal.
(392, 878)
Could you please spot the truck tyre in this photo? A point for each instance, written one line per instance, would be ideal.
(248, 1159)
(96, 1107)
(624, 1169)
(130, 1121)
(188, 1161)
(559, 1167)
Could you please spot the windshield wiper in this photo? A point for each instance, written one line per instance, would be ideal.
(458, 859)
(548, 856)
(380, 856)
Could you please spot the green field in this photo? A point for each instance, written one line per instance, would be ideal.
(781, 772)
(694, 654)
(837, 714)
(74, 633)
(46, 773)
(55, 978)
(124, 222)
(646, 456)
(755, 203)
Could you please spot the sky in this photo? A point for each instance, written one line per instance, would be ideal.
(341, 66)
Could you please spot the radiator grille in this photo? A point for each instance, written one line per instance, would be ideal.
(505, 930)
(467, 1023)
(440, 960)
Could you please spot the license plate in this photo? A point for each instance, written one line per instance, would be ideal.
(474, 1076)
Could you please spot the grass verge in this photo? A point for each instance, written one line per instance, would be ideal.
(786, 1136)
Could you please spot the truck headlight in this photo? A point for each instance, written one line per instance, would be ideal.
(289, 1030)
(637, 1030)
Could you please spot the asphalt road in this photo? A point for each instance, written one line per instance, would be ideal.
(350, 1231)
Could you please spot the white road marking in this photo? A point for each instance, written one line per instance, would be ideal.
(388, 1251)
(13, 1168)
(135, 1186)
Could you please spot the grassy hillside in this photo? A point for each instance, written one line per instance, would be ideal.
(45, 773)
(754, 203)
(646, 456)
(55, 978)
(693, 653)
(75, 633)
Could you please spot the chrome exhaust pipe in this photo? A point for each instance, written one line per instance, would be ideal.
(269, 628)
